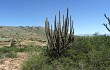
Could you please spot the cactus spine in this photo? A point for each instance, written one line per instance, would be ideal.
(59, 38)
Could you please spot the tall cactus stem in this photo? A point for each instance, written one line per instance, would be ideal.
(59, 38)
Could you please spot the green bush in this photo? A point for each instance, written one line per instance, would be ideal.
(87, 53)
(11, 51)
(11, 55)
(1, 61)
(34, 62)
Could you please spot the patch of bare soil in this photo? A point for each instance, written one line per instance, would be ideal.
(27, 42)
(13, 63)
(2, 44)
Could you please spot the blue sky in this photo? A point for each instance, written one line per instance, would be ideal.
(87, 14)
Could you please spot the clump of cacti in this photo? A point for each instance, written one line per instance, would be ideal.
(108, 23)
(60, 36)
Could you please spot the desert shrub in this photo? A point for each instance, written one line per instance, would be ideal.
(11, 51)
(11, 55)
(1, 55)
(33, 48)
(41, 62)
(5, 49)
(1, 61)
(93, 51)
(35, 62)
(13, 43)
(87, 53)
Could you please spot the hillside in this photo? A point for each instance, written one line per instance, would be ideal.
(24, 39)
(21, 31)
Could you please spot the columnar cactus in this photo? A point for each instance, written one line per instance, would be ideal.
(59, 38)
(108, 23)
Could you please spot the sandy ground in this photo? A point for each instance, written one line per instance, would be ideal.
(13, 63)
(5, 44)
(27, 42)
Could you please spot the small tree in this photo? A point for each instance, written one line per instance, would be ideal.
(17, 39)
(108, 23)
(59, 38)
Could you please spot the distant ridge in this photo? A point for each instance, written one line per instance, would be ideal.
(91, 34)
(23, 31)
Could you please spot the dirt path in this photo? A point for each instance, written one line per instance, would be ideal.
(13, 63)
